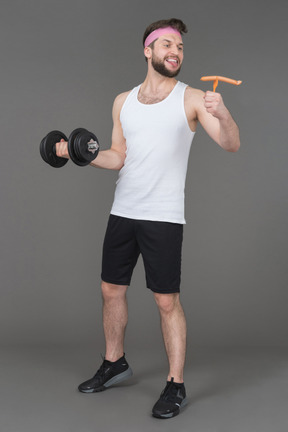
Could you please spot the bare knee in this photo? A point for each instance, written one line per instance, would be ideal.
(167, 302)
(113, 292)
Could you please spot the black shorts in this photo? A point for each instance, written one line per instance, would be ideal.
(159, 243)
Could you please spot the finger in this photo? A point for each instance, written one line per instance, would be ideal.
(213, 95)
(209, 100)
(213, 101)
(209, 93)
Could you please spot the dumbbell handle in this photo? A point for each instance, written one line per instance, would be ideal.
(93, 146)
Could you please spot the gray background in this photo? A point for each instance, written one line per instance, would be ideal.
(62, 64)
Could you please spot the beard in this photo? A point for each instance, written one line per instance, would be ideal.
(159, 66)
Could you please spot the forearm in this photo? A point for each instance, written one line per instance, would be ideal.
(229, 138)
(220, 125)
(109, 159)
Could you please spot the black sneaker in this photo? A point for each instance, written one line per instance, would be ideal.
(109, 373)
(172, 398)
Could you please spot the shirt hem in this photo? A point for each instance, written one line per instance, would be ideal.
(152, 218)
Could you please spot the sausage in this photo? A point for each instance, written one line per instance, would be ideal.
(220, 78)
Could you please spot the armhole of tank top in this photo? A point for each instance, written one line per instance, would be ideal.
(128, 97)
(183, 109)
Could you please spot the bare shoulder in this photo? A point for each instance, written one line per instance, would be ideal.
(119, 101)
(193, 96)
(193, 102)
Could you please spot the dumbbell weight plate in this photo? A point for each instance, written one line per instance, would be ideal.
(42, 150)
(86, 154)
(71, 148)
(47, 149)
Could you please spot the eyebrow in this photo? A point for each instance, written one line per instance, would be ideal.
(167, 40)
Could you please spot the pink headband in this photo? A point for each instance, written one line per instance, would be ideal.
(159, 32)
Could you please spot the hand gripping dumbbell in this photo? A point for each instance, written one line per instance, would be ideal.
(83, 147)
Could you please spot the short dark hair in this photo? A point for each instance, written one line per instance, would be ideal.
(172, 22)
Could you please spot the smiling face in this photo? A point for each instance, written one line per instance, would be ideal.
(167, 55)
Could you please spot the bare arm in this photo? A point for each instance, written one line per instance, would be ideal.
(215, 118)
(114, 157)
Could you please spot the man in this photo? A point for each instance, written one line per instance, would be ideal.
(154, 125)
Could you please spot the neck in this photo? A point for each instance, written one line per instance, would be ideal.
(156, 83)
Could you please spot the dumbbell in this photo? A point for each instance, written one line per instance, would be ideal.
(83, 147)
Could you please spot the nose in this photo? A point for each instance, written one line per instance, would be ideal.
(176, 50)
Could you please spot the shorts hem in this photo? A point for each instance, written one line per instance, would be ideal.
(114, 282)
(158, 291)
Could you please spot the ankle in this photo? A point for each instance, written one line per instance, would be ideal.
(113, 358)
(177, 379)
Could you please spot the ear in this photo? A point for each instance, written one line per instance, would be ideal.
(148, 52)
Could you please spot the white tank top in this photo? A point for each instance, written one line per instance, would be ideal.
(151, 183)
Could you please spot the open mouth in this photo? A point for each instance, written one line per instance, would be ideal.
(173, 61)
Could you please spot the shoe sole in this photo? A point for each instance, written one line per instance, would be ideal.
(115, 380)
(172, 414)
